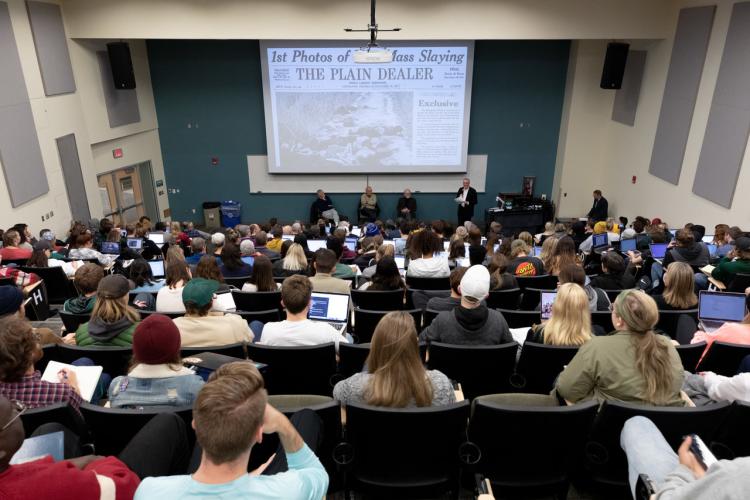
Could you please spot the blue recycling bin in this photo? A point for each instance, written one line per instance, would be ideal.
(230, 213)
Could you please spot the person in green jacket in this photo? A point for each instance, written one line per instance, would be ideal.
(87, 280)
(634, 364)
(113, 321)
(738, 261)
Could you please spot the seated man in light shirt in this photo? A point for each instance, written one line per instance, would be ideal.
(230, 416)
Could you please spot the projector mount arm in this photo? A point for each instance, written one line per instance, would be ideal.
(372, 28)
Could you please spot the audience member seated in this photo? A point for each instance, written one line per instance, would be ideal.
(217, 242)
(157, 377)
(234, 397)
(340, 270)
(262, 278)
(275, 244)
(112, 321)
(232, 265)
(12, 306)
(322, 281)
(260, 246)
(578, 233)
(500, 278)
(386, 276)
(587, 245)
(679, 475)
(201, 327)
(573, 273)
(456, 251)
(570, 320)
(737, 261)
(521, 263)
(526, 237)
(87, 280)
(426, 244)
(633, 365)
(207, 268)
(85, 250)
(549, 230)
(734, 333)
(11, 249)
(41, 257)
(547, 252)
(382, 251)
(679, 288)
(723, 240)
(395, 376)
(247, 250)
(169, 297)
(19, 381)
(684, 248)
(20, 278)
(301, 240)
(564, 254)
(198, 247)
(706, 388)
(615, 275)
(294, 262)
(296, 330)
(143, 284)
(471, 323)
(454, 300)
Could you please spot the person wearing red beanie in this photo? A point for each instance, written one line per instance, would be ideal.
(157, 377)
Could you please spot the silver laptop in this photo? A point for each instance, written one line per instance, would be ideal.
(717, 308)
(331, 308)
(548, 298)
(315, 245)
(156, 238)
(400, 262)
(157, 268)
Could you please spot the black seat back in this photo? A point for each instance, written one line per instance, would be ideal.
(428, 283)
(605, 459)
(237, 281)
(365, 322)
(603, 319)
(739, 283)
(521, 319)
(296, 370)
(543, 282)
(127, 422)
(7, 282)
(668, 321)
(379, 300)
(262, 316)
(612, 294)
(71, 321)
(539, 366)
(144, 313)
(504, 299)
(510, 438)
(531, 298)
(413, 452)
(61, 413)
(732, 439)
(723, 358)
(59, 287)
(479, 369)
(234, 350)
(114, 360)
(256, 301)
(690, 354)
(352, 358)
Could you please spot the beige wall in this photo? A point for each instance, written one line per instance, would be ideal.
(84, 114)
(595, 143)
(325, 19)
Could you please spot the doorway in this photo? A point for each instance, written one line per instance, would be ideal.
(127, 194)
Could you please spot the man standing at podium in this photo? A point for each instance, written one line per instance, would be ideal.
(466, 198)
(600, 207)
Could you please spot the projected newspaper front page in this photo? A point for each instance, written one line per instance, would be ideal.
(327, 114)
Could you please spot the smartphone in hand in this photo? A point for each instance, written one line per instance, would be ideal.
(701, 452)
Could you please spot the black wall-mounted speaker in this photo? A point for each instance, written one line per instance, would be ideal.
(614, 65)
(122, 65)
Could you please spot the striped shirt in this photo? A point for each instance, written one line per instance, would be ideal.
(20, 278)
(32, 391)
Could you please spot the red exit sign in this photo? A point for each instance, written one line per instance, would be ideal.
(117, 153)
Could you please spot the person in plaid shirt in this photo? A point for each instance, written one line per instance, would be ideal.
(20, 278)
(19, 350)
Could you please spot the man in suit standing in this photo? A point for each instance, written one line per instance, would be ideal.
(466, 198)
(600, 208)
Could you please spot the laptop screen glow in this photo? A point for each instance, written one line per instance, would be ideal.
(721, 306)
(400, 262)
(157, 238)
(135, 243)
(658, 250)
(329, 307)
(157, 268)
(600, 240)
(315, 245)
(627, 245)
(110, 247)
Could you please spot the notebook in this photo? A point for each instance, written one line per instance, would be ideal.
(38, 447)
(627, 245)
(315, 245)
(157, 268)
(157, 238)
(110, 247)
(548, 298)
(658, 250)
(224, 302)
(331, 308)
(135, 244)
(717, 308)
(88, 377)
(600, 240)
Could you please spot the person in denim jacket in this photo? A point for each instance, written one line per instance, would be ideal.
(157, 377)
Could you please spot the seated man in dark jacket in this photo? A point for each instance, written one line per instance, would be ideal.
(471, 323)
(614, 275)
(684, 248)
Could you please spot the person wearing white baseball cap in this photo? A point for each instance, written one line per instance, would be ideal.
(472, 322)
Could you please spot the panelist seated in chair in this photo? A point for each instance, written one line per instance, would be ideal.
(407, 206)
(368, 205)
(323, 207)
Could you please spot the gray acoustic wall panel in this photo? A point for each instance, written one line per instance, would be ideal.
(626, 98)
(680, 92)
(71, 167)
(729, 118)
(51, 47)
(20, 154)
(122, 105)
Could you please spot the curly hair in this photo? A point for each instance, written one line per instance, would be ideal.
(17, 347)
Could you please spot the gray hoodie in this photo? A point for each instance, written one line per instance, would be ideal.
(478, 326)
(725, 480)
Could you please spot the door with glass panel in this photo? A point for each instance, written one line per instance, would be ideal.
(122, 194)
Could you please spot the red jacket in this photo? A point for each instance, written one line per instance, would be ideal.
(45, 478)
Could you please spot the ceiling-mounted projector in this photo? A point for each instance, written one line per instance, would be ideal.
(373, 55)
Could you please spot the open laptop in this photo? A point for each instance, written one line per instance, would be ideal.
(331, 308)
(446, 245)
(289, 237)
(712, 249)
(537, 251)
(548, 298)
(400, 262)
(717, 308)
(599, 241)
(355, 231)
(157, 268)
(351, 243)
(463, 262)
(658, 250)
(628, 245)
(315, 245)
(156, 238)
(110, 247)
(135, 244)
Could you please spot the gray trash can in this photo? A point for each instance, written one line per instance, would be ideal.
(211, 214)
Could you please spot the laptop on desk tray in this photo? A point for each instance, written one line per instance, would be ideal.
(331, 308)
(717, 308)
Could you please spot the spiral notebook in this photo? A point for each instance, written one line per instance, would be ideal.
(88, 377)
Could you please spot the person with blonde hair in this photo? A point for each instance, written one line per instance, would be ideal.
(523, 264)
(382, 251)
(526, 237)
(112, 321)
(395, 376)
(547, 255)
(633, 365)
(294, 262)
(570, 322)
(549, 230)
(679, 288)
